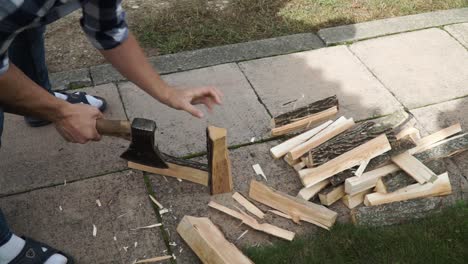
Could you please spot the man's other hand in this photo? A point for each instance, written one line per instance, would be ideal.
(78, 123)
(186, 99)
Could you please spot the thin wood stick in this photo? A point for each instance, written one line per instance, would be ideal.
(361, 168)
(152, 260)
(280, 150)
(426, 142)
(250, 221)
(307, 193)
(248, 205)
(339, 126)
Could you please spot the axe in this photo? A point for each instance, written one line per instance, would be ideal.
(143, 154)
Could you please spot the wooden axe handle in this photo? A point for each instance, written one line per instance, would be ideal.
(114, 128)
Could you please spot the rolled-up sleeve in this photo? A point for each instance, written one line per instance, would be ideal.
(104, 23)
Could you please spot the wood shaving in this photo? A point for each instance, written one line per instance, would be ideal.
(94, 230)
(98, 203)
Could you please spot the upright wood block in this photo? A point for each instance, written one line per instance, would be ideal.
(218, 160)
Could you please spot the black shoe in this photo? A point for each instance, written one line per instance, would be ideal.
(74, 98)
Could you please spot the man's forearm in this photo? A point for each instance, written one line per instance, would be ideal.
(128, 58)
(20, 95)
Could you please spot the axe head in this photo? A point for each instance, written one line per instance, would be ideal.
(142, 149)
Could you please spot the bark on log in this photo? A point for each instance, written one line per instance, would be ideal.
(185, 162)
(302, 112)
(395, 213)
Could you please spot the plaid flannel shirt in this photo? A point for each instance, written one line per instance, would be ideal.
(103, 21)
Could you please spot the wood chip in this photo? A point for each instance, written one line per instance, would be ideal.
(155, 259)
(98, 203)
(158, 204)
(258, 170)
(147, 227)
(241, 235)
(94, 230)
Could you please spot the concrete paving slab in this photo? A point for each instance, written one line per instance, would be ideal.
(37, 157)
(70, 79)
(392, 25)
(438, 116)
(290, 81)
(460, 32)
(179, 133)
(184, 198)
(125, 205)
(420, 68)
(194, 59)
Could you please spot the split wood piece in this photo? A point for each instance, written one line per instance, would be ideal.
(297, 208)
(396, 213)
(291, 162)
(218, 160)
(362, 168)
(208, 242)
(439, 187)
(426, 142)
(414, 168)
(302, 112)
(283, 148)
(352, 201)
(310, 192)
(380, 187)
(330, 195)
(278, 213)
(299, 166)
(339, 126)
(369, 150)
(153, 260)
(248, 205)
(305, 122)
(368, 180)
(250, 221)
(446, 148)
(175, 170)
(411, 132)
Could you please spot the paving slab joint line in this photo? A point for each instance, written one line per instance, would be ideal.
(452, 36)
(377, 78)
(164, 234)
(441, 102)
(255, 91)
(62, 184)
(117, 86)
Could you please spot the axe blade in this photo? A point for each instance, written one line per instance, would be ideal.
(142, 149)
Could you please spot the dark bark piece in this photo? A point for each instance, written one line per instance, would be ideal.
(184, 162)
(301, 112)
(396, 213)
(445, 149)
(401, 179)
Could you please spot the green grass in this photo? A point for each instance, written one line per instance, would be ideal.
(193, 24)
(441, 238)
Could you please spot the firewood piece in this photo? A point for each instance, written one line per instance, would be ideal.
(426, 142)
(177, 171)
(208, 242)
(153, 260)
(305, 111)
(331, 195)
(248, 205)
(368, 180)
(395, 213)
(380, 187)
(299, 166)
(372, 148)
(352, 201)
(410, 132)
(278, 213)
(414, 168)
(250, 221)
(218, 160)
(308, 193)
(297, 208)
(283, 148)
(444, 149)
(337, 127)
(305, 122)
(291, 162)
(439, 187)
(361, 168)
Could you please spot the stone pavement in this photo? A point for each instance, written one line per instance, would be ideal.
(48, 188)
